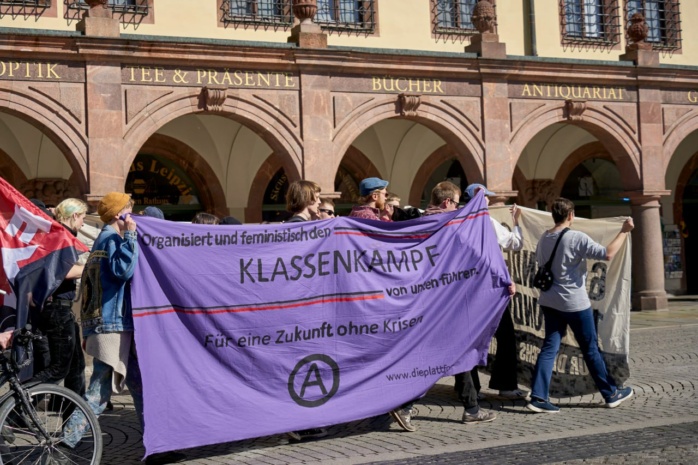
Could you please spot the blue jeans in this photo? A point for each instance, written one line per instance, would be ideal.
(584, 330)
(99, 393)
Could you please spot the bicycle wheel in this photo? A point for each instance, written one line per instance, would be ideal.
(22, 441)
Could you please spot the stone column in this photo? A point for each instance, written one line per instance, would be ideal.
(107, 171)
(316, 120)
(499, 164)
(647, 254)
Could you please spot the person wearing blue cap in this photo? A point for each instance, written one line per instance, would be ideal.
(372, 200)
(504, 369)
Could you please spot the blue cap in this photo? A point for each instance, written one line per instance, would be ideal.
(369, 185)
(155, 212)
(472, 189)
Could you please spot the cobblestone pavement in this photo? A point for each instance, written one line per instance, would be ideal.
(658, 426)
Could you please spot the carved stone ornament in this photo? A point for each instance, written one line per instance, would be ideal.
(638, 32)
(575, 109)
(305, 10)
(408, 103)
(483, 17)
(214, 98)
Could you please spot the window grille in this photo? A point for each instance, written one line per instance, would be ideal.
(258, 12)
(349, 15)
(454, 16)
(590, 22)
(139, 7)
(663, 21)
(27, 3)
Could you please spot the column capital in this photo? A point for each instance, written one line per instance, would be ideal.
(645, 197)
(500, 198)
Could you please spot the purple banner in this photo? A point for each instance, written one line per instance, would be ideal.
(247, 331)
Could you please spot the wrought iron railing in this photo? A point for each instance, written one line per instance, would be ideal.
(139, 7)
(592, 23)
(662, 19)
(258, 13)
(454, 16)
(346, 15)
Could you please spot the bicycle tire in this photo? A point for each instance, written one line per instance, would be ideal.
(21, 442)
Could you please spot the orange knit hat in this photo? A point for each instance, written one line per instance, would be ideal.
(111, 204)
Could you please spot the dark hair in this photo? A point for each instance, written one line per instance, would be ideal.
(230, 220)
(442, 191)
(205, 218)
(301, 195)
(561, 209)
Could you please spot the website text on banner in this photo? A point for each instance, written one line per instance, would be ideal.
(249, 331)
(608, 284)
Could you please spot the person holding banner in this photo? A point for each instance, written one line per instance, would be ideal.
(567, 303)
(56, 319)
(445, 198)
(372, 201)
(504, 369)
(303, 200)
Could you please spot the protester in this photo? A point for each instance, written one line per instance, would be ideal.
(302, 201)
(205, 218)
(566, 303)
(372, 200)
(107, 318)
(42, 207)
(57, 321)
(445, 198)
(153, 212)
(392, 202)
(230, 220)
(504, 369)
(326, 209)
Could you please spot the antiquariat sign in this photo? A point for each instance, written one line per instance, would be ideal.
(572, 91)
(17, 70)
(680, 96)
(168, 76)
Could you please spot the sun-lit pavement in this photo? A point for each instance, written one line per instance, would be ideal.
(659, 425)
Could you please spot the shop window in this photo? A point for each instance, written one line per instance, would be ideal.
(453, 17)
(663, 21)
(346, 15)
(258, 13)
(129, 11)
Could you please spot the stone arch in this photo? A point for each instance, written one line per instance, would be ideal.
(616, 136)
(460, 133)
(281, 132)
(441, 155)
(583, 153)
(678, 132)
(58, 126)
(12, 173)
(255, 201)
(359, 164)
(684, 176)
(211, 194)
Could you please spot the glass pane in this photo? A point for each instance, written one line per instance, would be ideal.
(444, 13)
(240, 7)
(466, 12)
(573, 18)
(592, 18)
(325, 11)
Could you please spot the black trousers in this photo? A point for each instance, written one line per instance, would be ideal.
(504, 368)
(66, 360)
(467, 386)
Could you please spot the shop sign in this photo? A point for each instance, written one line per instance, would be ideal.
(165, 76)
(155, 181)
(571, 91)
(17, 70)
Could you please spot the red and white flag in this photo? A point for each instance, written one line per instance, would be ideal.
(36, 255)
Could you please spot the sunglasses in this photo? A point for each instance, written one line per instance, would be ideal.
(326, 211)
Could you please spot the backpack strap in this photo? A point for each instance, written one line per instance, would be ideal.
(549, 264)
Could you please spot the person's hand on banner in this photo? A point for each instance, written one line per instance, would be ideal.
(6, 339)
(515, 214)
(512, 289)
(628, 225)
(130, 223)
